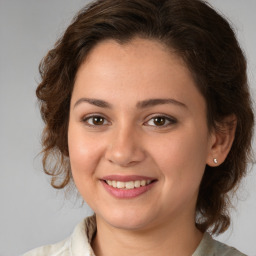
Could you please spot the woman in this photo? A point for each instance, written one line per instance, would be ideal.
(147, 111)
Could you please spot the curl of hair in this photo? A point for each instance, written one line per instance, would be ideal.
(208, 46)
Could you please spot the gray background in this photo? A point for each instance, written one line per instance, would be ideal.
(32, 213)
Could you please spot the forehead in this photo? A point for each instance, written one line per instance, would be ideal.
(138, 58)
(135, 70)
(137, 50)
(146, 46)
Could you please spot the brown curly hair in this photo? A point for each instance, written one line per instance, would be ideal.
(207, 44)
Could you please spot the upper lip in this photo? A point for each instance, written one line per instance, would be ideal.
(126, 178)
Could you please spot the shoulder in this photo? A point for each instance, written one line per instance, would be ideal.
(225, 250)
(77, 244)
(212, 247)
(58, 249)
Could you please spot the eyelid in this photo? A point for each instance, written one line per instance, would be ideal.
(170, 119)
(85, 119)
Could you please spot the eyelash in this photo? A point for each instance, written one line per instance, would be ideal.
(168, 119)
(85, 120)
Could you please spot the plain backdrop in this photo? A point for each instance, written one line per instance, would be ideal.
(31, 212)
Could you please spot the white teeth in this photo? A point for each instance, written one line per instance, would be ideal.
(109, 182)
(137, 184)
(143, 183)
(113, 183)
(120, 184)
(128, 184)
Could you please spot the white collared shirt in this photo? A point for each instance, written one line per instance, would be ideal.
(79, 244)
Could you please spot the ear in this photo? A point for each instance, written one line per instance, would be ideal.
(222, 138)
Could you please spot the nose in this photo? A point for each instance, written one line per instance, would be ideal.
(125, 148)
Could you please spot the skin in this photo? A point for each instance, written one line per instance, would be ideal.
(129, 141)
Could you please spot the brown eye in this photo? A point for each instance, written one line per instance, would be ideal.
(95, 120)
(159, 121)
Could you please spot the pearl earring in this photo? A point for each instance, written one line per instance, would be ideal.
(215, 160)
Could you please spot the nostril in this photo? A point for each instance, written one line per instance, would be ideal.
(123, 152)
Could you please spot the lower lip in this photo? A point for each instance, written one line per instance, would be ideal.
(127, 193)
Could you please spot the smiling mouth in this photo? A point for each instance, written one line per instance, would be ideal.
(128, 184)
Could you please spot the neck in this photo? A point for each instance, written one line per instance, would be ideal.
(179, 238)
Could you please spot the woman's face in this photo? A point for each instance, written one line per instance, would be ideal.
(138, 137)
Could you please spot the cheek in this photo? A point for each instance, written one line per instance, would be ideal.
(182, 157)
(85, 155)
(83, 152)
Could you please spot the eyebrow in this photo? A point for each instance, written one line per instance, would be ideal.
(155, 102)
(140, 105)
(95, 102)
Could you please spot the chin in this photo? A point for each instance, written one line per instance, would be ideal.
(127, 220)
